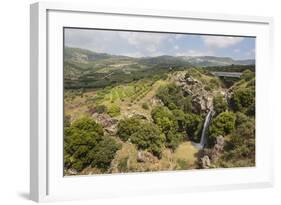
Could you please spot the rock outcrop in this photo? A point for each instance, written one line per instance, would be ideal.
(202, 100)
(144, 156)
(109, 124)
(205, 162)
(217, 149)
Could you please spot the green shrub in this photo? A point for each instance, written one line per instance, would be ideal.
(220, 104)
(165, 119)
(101, 109)
(173, 139)
(85, 145)
(145, 106)
(247, 75)
(66, 121)
(223, 124)
(127, 127)
(104, 153)
(242, 99)
(113, 110)
(149, 138)
(172, 97)
(193, 126)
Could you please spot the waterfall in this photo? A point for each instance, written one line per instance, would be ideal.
(205, 128)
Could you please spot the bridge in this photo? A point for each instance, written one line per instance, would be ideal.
(227, 74)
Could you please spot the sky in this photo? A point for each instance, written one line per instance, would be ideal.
(147, 44)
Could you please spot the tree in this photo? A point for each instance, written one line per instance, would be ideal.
(172, 97)
(220, 104)
(193, 125)
(103, 154)
(223, 124)
(173, 139)
(83, 142)
(148, 137)
(247, 75)
(127, 127)
(242, 99)
(180, 117)
(165, 119)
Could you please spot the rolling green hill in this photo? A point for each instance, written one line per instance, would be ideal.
(88, 69)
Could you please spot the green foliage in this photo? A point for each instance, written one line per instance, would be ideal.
(165, 119)
(103, 153)
(180, 117)
(241, 149)
(173, 139)
(148, 137)
(247, 75)
(193, 125)
(85, 144)
(66, 121)
(101, 109)
(223, 124)
(145, 106)
(241, 118)
(113, 110)
(243, 100)
(123, 165)
(127, 127)
(182, 164)
(172, 97)
(220, 104)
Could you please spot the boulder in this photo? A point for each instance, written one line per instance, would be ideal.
(217, 149)
(144, 156)
(205, 162)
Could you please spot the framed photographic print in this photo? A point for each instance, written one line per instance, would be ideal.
(127, 102)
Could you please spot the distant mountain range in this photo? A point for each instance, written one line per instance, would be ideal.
(85, 56)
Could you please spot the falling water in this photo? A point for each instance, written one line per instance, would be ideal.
(205, 128)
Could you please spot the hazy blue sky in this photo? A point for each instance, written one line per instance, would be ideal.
(140, 44)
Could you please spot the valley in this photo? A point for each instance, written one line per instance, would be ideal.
(125, 114)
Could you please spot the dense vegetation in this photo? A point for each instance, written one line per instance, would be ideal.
(86, 145)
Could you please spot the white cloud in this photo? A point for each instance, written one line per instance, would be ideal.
(145, 42)
(195, 53)
(221, 41)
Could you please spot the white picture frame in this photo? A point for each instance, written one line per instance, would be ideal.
(47, 182)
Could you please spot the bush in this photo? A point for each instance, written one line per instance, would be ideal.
(149, 138)
(220, 104)
(223, 124)
(145, 106)
(104, 153)
(193, 125)
(66, 121)
(241, 149)
(101, 109)
(165, 119)
(85, 144)
(180, 117)
(247, 75)
(241, 118)
(172, 97)
(242, 99)
(173, 139)
(113, 110)
(127, 127)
